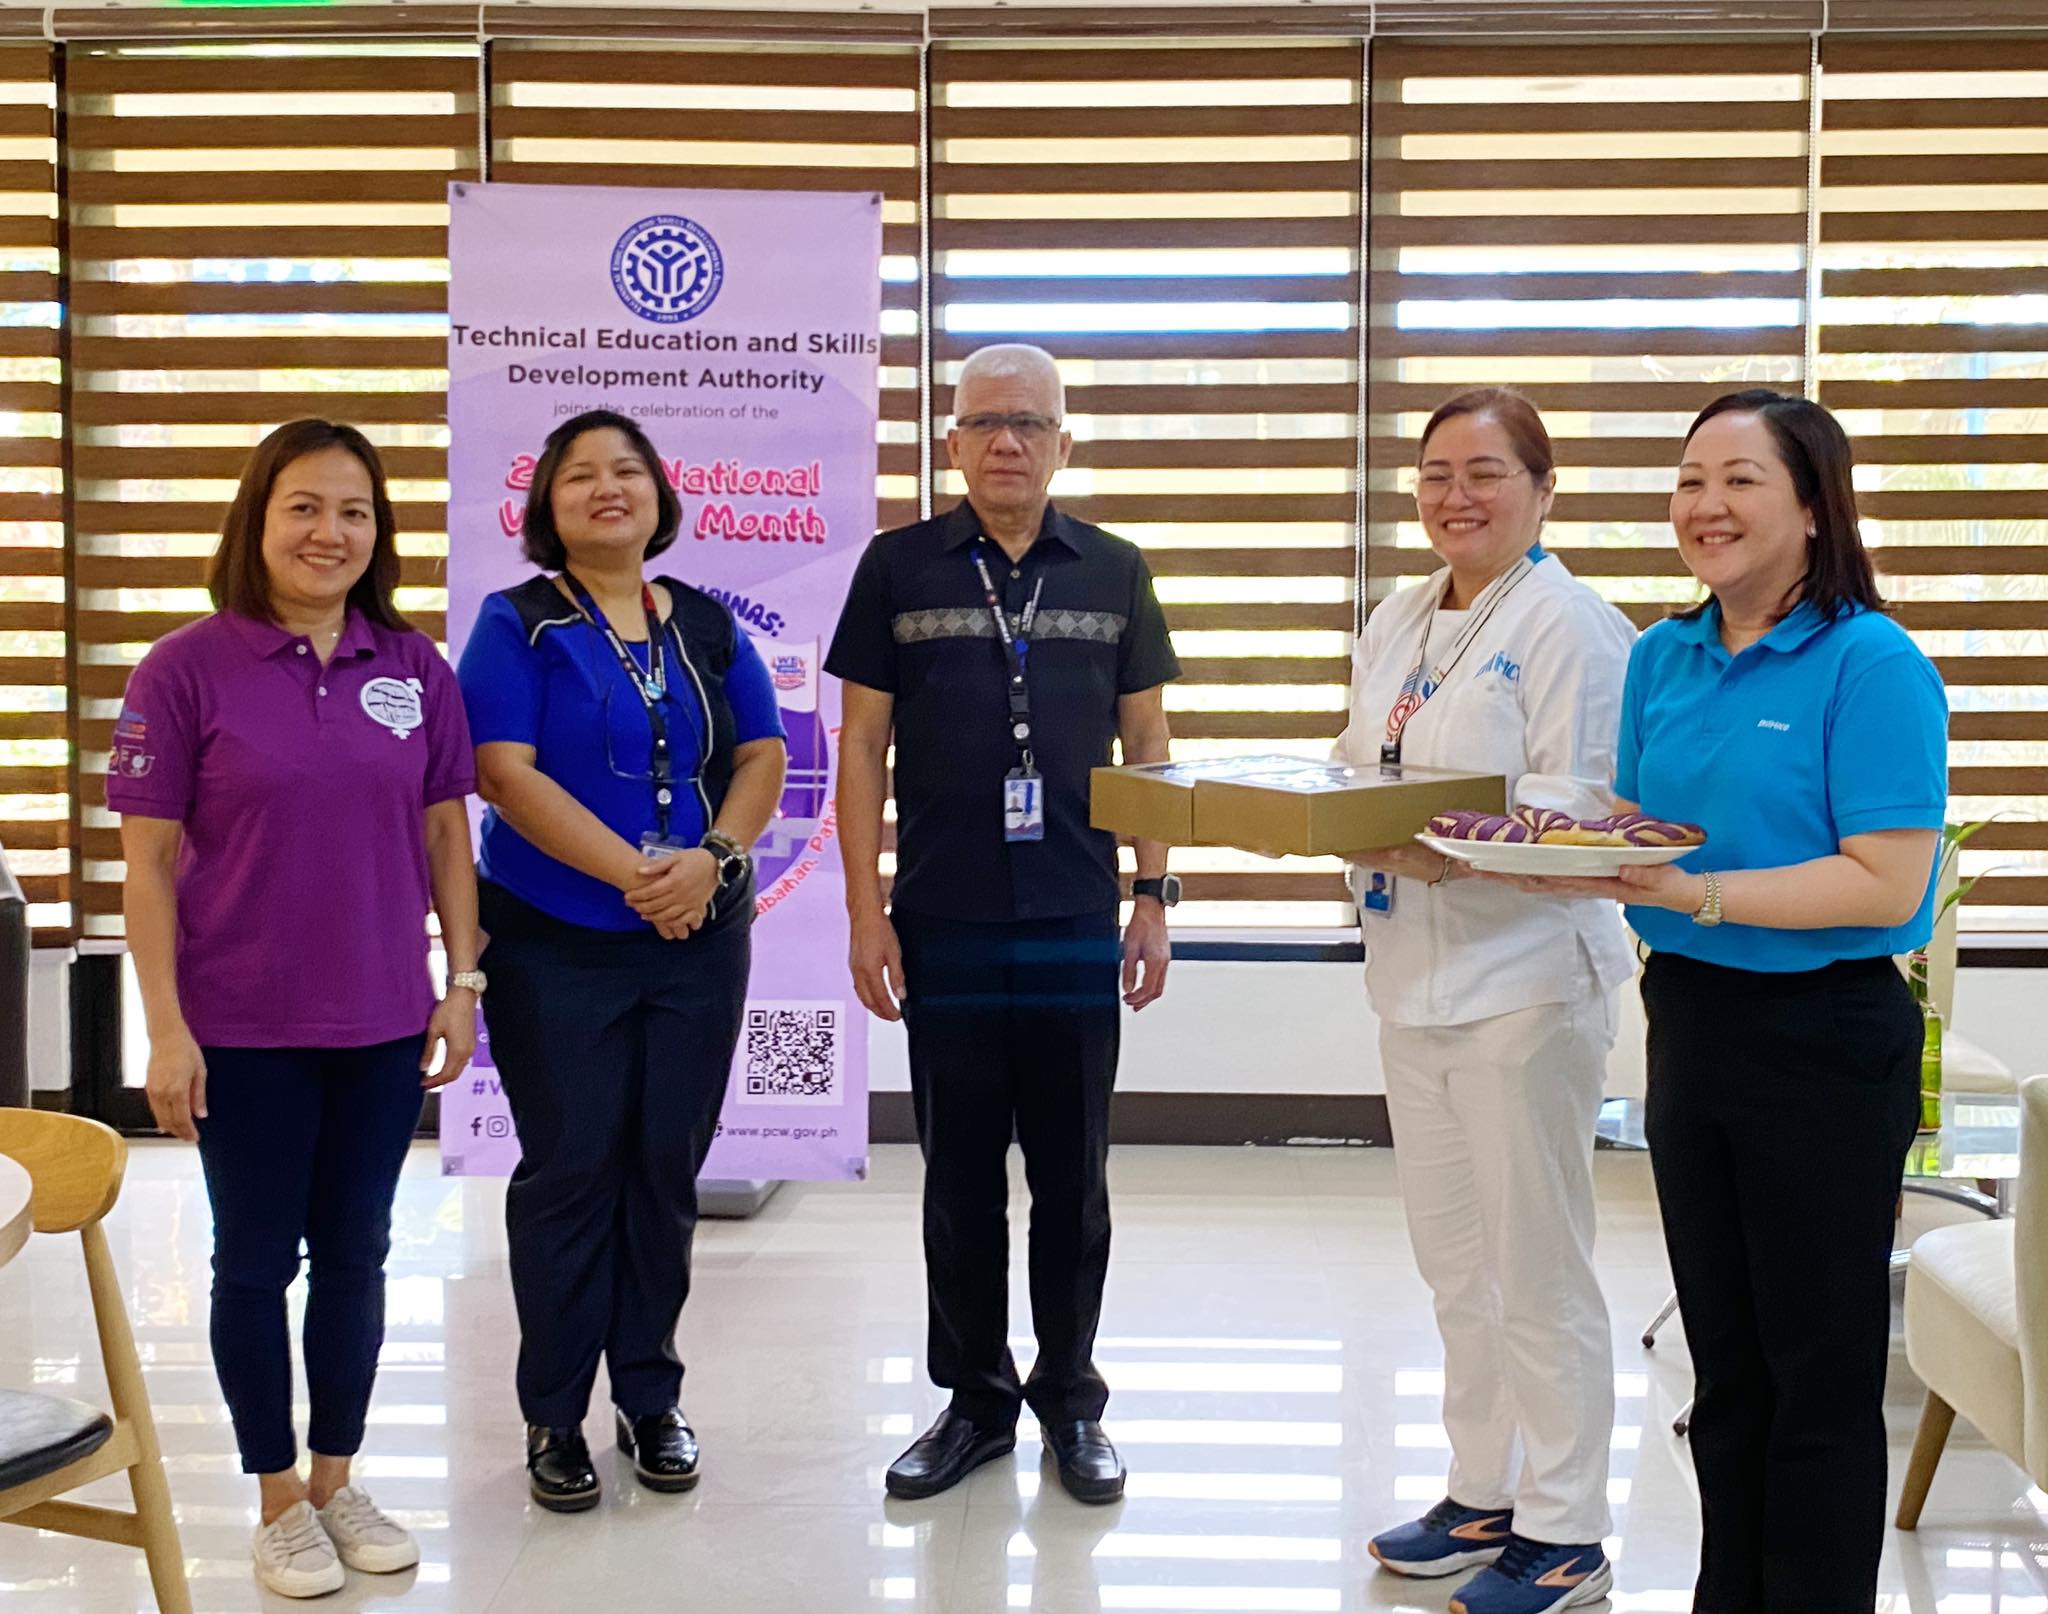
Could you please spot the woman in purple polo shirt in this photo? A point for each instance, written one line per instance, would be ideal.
(290, 773)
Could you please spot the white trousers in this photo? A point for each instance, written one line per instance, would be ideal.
(1493, 1140)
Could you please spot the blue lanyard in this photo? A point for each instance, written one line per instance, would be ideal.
(1016, 650)
(651, 686)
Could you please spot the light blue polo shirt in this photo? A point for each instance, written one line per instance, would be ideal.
(1818, 732)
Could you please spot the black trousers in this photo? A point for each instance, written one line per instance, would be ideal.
(1779, 1113)
(614, 1049)
(1013, 1033)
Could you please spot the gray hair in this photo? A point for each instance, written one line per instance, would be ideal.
(1003, 360)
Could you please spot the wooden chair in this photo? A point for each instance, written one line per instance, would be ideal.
(49, 1445)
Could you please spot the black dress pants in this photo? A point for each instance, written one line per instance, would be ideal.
(614, 1049)
(1013, 1033)
(1779, 1112)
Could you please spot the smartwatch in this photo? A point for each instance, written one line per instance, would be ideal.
(1166, 889)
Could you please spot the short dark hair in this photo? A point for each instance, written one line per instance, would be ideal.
(1817, 452)
(1512, 412)
(237, 578)
(539, 539)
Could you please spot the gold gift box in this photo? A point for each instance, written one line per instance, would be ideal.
(1283, 804)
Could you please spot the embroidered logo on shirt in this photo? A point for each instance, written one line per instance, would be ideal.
(1773, 725)
(1510, 671)
(131, 733)
(396, 705)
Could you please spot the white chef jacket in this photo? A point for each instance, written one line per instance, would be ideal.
(1537, 692)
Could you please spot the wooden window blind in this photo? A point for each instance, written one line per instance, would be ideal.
(258, 232)
(1934, 351)
(1179, 226)
(840, 117)
(1621, 234)
(36, 711)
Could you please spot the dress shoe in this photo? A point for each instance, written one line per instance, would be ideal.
(1090, 1469)
(663, 1449)
(946, 1454)
(558, 1470)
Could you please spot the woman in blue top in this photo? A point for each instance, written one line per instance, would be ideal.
(630, 748)
(1802, 728)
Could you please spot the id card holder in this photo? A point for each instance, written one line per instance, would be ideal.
(654, 848)
(1376, 893)
(1023, 805)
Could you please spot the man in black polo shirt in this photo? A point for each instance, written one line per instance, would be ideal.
(1007, 647)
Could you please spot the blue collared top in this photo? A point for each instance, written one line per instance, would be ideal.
(1820, 731)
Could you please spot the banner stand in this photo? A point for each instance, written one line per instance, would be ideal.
(734, 1200)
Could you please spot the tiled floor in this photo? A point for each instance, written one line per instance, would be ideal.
(1269, 1344)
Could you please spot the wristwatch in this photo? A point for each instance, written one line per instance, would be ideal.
(1166, 889)
(470, 980)
(734, 865)
(1709, 911)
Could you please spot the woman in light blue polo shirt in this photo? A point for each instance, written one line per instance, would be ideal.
(1802, 728)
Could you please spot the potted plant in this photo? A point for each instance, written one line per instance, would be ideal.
(1951, 891)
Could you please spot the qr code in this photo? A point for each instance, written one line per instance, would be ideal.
(793, 1053)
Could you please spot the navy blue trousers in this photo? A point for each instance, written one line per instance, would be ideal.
(302, 1149)
(615, 1049)
(1013, 1036)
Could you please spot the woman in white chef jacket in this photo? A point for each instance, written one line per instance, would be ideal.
(1496, 1010)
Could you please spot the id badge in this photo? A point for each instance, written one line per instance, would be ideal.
(654, 848)
(1376, 894)
(1023, 806)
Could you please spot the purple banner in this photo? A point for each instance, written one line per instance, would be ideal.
(740, 328)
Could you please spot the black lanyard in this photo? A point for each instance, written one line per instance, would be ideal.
(1417, 688)
(1016, 651)
(651, 686)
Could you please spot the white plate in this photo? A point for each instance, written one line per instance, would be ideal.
(1539, 857)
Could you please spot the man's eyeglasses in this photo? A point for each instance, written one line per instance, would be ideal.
(1482, 483)
(1029, 428)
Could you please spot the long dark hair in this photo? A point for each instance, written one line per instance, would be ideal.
(237, 578)
(1816, 451)
(538, 538)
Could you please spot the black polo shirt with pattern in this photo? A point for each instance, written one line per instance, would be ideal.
(917, 627)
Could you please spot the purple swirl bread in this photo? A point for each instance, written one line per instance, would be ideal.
(1553, 828)
(1640, 829)
(1471, 826)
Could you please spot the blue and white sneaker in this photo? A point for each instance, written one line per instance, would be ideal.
(1446, 1539)
(1537, 1577)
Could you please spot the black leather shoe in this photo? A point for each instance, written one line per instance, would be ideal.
(558, 1470)
(946, 1454)
(1090, 1469)
(663, 1449)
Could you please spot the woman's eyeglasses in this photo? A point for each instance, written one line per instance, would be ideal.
(1482, 483)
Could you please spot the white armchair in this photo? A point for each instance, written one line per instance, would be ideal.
(1977, 1323)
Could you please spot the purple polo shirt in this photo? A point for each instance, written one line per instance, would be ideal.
(302, 789)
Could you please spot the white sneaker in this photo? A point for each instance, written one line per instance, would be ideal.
(293, 1556)
(366, 1537)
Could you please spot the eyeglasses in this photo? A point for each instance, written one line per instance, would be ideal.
(1029, 428)
(1482, 485)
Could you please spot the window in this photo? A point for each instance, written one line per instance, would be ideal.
(36, 801)
(1934, 351)
(1179, 226)
(258, 233)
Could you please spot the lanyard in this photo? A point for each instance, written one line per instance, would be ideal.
(651, 686)
(1016, 650)
(1415, 688)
